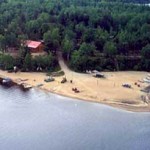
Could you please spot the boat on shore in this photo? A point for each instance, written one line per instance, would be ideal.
(9, 82)
(25, 86)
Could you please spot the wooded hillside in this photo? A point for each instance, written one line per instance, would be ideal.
(91, 34)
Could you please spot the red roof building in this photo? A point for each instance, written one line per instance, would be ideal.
(34, 46)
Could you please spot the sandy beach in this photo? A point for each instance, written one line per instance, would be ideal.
(107, 91)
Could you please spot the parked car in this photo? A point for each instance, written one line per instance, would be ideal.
(49, 79)
(126, 85)
(64, 80)
(99, 75)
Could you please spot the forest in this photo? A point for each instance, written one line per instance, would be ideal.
(95, 34)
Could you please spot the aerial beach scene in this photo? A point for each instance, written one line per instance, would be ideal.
(74, 74)
(108, 91)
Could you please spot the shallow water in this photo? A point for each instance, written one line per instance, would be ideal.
(36, 120)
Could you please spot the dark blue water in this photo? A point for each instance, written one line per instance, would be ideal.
(40, 121)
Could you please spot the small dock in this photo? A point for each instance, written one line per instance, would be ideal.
(6, 81)
(9, 82)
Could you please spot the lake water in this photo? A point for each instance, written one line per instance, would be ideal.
(36, 120)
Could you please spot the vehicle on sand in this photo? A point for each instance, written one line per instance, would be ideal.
(99, 75)
(49, 79)
(64, 80)
(126, 85)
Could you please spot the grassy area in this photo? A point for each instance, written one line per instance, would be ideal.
(56, 74)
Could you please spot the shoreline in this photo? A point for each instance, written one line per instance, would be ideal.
(120, 106)
(86, 94)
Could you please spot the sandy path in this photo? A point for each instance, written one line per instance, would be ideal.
(108, 90)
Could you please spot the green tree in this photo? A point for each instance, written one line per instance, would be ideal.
(146, 57)
(82, 59)
(110, 49)
(28, 62)
(101, 37)
(47, 62)
(52, 39)
(67, 48)
(2, 42)
(6, 62)
(32, 28)
(146, 52)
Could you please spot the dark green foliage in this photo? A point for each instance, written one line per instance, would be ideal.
(6, 62)
(84, 58)
(47, 63)
(110, 49)
(146, 52)
(146, 57)
(92, 34)
(39, 63)
(52, 39)
(67, 46)
(27, 64)
(131, 1)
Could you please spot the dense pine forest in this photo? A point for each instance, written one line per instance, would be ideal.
(131, 1)
(103, 35)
